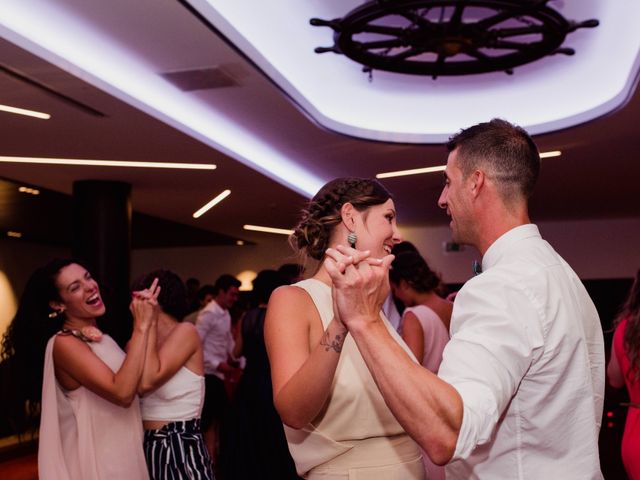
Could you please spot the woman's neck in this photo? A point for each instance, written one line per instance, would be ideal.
(166, 322)
(79, 323)
(322, 275)
(425, 298)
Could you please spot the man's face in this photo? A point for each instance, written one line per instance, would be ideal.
(227, 299)
(456, 200)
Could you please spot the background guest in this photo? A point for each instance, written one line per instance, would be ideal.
(624, 370)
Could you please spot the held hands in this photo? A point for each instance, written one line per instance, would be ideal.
(144, 306)
(360, 284)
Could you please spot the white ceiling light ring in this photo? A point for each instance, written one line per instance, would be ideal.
(352, 111)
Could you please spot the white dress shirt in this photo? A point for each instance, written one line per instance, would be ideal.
(214, 327)
(527, 357)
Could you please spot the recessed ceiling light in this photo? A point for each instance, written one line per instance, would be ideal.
(239, 242)
(32, 191)
(258, 228)
(106, 163)
(552, 153)
(14, 234)
(441, 168)
(414, 171)
(212, 203)
(22, 111)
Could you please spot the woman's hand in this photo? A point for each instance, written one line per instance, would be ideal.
(360, 284)
(144, 306)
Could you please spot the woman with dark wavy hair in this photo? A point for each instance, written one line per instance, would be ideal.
(336, 421)
(90, 425)
(624, 369)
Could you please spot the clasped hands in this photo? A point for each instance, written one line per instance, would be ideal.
(144, 306)
(360, 285)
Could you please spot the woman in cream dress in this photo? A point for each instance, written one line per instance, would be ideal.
(336, 421)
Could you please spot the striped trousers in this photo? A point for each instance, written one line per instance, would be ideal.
(177, 451)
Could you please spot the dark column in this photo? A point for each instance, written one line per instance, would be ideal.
(102, 238)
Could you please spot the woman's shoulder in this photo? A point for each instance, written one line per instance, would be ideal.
(288, 293)
(186, 330)
(289, 298)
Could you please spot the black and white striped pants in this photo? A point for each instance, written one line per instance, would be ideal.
(177, 451)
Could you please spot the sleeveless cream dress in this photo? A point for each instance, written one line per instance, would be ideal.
(355, 436)
(82, 435)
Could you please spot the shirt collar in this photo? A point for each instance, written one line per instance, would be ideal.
(505, 241)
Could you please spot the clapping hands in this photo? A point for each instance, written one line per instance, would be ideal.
(144, 306)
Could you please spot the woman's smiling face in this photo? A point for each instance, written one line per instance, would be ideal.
(377, 229)
(79, 293)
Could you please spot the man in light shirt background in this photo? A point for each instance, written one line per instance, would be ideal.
(214, 327)
(519, 393)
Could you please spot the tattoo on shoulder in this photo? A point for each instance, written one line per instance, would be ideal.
(335, 344)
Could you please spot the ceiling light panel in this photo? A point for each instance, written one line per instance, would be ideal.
(259, 228)
(212, 203)
(25, 112)
(106, 163)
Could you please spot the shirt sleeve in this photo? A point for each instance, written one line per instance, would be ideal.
(203, 323)
(496, 335)
(213, 353)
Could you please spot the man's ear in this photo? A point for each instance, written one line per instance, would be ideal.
(476, 182)
(347, 213)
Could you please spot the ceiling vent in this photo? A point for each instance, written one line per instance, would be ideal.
(202, 78)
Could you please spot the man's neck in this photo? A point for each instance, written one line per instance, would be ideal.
(494, 224)
(218, 303)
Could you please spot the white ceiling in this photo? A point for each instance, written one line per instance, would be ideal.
(269, 151)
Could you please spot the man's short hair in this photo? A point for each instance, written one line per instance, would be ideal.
(206, 290)
(225, 282)
(506, 152)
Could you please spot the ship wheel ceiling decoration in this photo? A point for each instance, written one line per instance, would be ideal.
(450, 37)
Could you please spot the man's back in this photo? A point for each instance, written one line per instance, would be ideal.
(527, 357)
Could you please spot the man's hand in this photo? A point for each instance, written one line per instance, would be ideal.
(360, 284)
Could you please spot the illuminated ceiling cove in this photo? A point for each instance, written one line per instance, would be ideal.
(123, 48)
(553, 93)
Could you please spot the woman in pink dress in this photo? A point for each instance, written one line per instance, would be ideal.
(90, 424)
(425, 321)
(624, 369)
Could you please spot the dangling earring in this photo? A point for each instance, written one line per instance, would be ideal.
(55, 313)
(352, 238)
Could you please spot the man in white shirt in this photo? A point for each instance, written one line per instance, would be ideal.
(519, 393)
(214, 327)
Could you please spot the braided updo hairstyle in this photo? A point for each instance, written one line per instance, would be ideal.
(313, 233)
(413, 269)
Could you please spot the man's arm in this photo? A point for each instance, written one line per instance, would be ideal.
(429, 409)
(496, 339)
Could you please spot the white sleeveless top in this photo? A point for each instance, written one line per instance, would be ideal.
(180, 398)
(355, 409)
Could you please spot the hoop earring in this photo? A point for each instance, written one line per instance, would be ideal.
(352, 238)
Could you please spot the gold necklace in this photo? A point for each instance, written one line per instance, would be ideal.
(86, 334)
